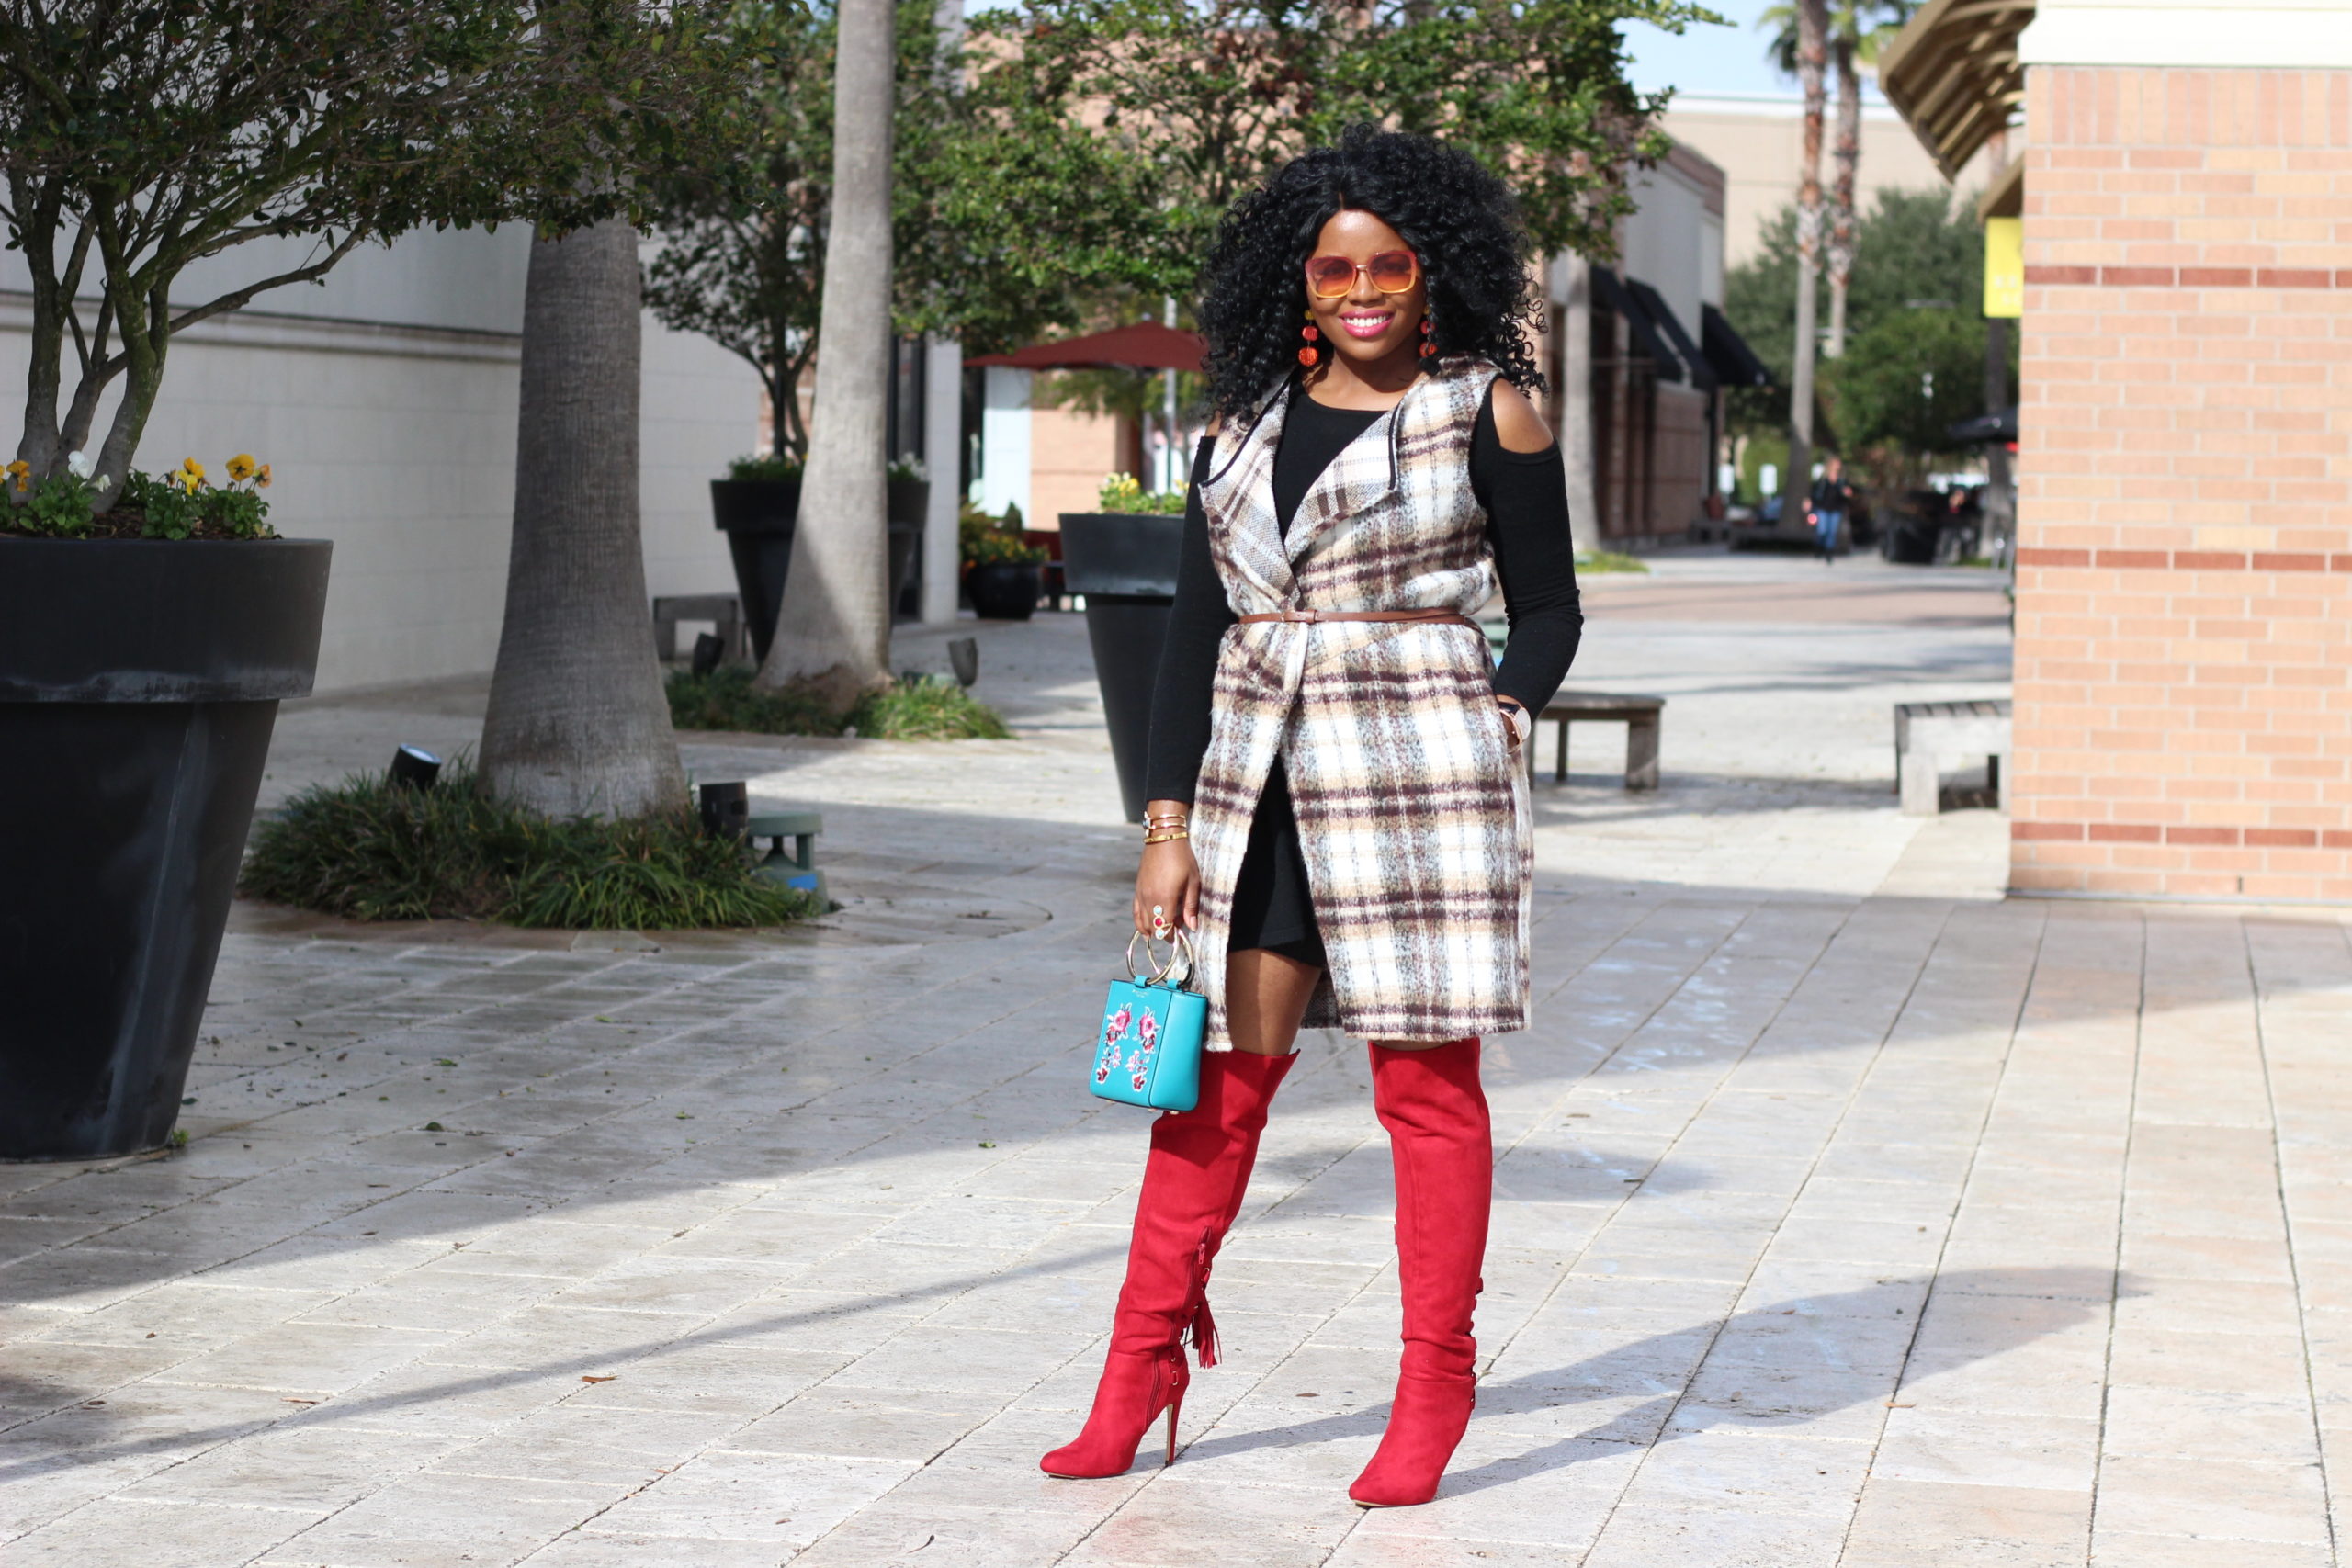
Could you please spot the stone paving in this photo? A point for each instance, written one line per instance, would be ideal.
(1847, 1214)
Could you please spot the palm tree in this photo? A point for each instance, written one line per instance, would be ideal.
(578, 723)
(1859, 29)
(1812, 38)
(833, 634)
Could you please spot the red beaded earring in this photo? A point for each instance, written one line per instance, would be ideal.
(1429, 349)
(1312, 354)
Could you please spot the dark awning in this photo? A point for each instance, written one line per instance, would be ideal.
(1146, 345)
(1662, 314)
(1734, 362)
(1615, 294)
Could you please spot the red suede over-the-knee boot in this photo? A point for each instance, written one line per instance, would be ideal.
(1192, 1186)
(1442, 1147)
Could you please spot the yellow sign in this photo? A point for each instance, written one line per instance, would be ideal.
(2005, 267)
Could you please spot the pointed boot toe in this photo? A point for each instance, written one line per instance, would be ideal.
(1425, 1426)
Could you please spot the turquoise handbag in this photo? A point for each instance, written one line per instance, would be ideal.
(1148, 1052)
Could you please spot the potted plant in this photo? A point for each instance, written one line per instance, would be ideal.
(150, 625)
(1003, 573)
(143, 652)
(757, 506)
(1123, 558)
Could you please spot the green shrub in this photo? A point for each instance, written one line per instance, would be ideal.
(927, 710)
(368, 850)
(917, 709)
(1608, 561)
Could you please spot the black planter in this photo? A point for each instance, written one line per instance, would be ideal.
(1005, 593)
(758, 517)
(906, 578)
(908, 508)
(910, 501)
(139, 684)
(1126, 564)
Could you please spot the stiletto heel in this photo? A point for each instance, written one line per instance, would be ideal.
(1438, 1129)
(1192, 1187)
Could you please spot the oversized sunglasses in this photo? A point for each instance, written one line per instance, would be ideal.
(1392, 271)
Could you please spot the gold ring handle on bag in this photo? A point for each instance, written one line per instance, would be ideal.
(1180, 948)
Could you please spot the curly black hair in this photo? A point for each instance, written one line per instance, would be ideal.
(1459, 218)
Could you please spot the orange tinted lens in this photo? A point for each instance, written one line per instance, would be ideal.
(1329, 277)
(1393, 272)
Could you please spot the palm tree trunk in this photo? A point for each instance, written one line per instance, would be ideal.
(578, 723)
(1812, 28)
(1848, 154)
(833, 634)
(1575, 327)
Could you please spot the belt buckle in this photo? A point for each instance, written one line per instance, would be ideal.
(1300, 617)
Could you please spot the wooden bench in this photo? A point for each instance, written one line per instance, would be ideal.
(724, 610)
(1640, 715)
(795, 867)
(1929, 735)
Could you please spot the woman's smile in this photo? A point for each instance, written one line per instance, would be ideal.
(1365, 324)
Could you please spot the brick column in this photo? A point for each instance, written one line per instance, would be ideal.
(2184, 628)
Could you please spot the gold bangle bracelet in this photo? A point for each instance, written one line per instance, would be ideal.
(1150, 839)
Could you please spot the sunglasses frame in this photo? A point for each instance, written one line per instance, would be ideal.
(1364, 270)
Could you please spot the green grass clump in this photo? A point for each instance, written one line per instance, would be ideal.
(915, 709)
(929, 710)
(368, 850)
(1609, 560)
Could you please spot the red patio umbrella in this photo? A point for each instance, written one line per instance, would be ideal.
(1146, 345)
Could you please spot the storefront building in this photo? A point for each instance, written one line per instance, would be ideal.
(2184, 587)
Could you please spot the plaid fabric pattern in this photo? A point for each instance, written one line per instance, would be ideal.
(1412, 817)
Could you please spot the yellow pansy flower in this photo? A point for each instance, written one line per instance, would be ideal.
(21, 471)
(240, 466)
(261, 476)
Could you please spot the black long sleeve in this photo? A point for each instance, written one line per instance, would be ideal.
(1196, 625)
(1525, 498)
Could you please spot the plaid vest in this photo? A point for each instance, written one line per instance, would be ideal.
(1412, 813)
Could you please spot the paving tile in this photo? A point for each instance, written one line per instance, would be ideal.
(112, 1531)
(1902, 1524)
(2252, 1501)
(785, 1499)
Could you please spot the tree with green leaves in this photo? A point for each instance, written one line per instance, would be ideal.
(989, 243)
(1916, 311)
(137, 140)
(1859, 29)
(1213, 94)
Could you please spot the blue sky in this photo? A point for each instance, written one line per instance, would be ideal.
(1710, 58)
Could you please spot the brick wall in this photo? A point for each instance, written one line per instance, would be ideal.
(2184, 651)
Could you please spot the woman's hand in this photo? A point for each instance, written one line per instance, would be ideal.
(1167, 884)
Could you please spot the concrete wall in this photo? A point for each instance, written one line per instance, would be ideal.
(2184, 725)
(385, 402)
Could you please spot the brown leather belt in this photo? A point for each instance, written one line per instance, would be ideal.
(1312, 617)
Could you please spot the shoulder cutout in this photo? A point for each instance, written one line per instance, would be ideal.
(1517, 423)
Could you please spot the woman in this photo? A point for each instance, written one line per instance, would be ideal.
(1339, 816)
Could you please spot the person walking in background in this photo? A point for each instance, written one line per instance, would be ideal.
(1340, 814)
(1833, 498)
